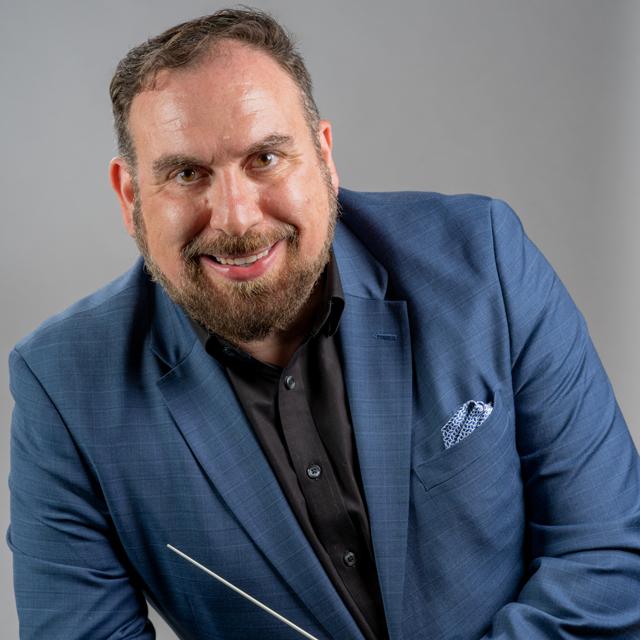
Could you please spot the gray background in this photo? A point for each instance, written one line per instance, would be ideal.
(533, 101)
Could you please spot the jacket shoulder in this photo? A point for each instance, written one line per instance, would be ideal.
(411, 200)
(431, 231)
(90, 322)
(418, 217)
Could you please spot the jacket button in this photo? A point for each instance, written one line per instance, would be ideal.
(349, 558)
(314, 471)
(290, 382)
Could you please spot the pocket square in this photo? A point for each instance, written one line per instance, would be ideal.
(465, 421)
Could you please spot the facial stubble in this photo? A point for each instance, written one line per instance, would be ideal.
(250, 310)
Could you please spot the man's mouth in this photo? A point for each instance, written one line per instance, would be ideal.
(244, 267)
(242, 260)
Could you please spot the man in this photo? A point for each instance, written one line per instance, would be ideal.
(389, 425)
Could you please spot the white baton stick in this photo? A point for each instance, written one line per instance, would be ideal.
(226, 583)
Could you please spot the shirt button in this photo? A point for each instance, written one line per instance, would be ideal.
(290, 382)
(314, 471)
(349, 558)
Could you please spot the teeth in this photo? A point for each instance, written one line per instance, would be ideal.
(245, 260)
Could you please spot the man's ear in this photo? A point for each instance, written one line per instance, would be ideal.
(325, 138)
(122, 182)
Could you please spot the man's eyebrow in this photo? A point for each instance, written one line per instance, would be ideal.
(271, 141)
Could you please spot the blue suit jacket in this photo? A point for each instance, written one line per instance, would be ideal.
(127, 436)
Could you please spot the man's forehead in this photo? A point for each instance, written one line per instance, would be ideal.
(236, 93)
(231, 75)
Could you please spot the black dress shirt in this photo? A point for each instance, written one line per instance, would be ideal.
(300, 415)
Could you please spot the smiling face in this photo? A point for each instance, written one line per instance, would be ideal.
(234, 203)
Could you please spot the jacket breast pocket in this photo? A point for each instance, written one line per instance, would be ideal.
(468, 507)
(489, 442)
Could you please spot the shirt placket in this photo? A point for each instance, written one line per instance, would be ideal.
(317, 479)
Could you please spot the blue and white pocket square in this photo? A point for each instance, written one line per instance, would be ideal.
(465, 421)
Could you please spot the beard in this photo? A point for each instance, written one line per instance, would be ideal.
(247, 310)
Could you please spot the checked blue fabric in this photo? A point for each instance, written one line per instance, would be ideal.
(464, 421)
(126, 437)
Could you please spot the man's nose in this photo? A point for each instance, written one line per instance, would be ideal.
(234, 204)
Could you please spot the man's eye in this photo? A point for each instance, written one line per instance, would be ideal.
(265, 160)
(187, 176)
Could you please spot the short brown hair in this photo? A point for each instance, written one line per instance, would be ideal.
(186, 44)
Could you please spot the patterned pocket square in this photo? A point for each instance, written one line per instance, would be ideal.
(465, 421)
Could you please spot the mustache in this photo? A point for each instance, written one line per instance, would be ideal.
(250, 242)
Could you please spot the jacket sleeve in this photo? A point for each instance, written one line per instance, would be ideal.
(70, 576)
(580, 469)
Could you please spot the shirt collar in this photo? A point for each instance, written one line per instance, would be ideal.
(332, 306)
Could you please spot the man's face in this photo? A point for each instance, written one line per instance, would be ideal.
(234, 204)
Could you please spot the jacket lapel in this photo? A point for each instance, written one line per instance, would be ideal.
(376, 347)
(215, 428)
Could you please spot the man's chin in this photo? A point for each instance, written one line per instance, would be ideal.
(241, 311)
